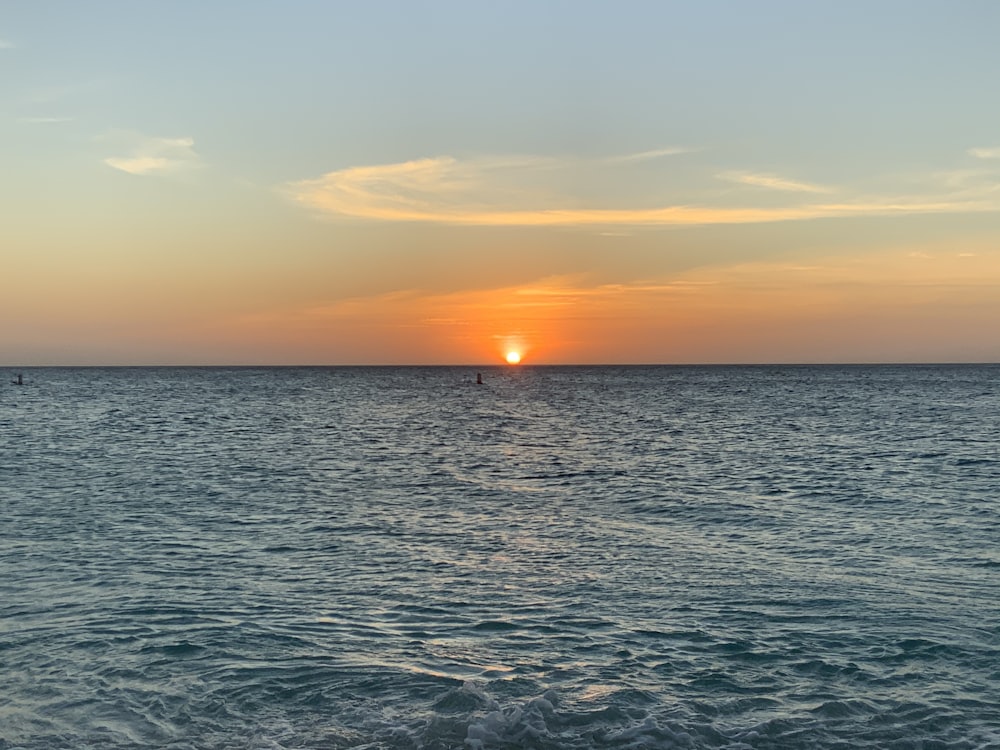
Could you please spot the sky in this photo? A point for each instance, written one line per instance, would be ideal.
(319, 182)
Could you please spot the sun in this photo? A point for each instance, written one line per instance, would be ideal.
(513, 358)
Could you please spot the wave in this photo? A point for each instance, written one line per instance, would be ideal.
(480, 716)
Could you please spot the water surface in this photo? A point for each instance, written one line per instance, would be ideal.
(622, 557)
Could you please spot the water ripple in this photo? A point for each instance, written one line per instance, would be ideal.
(561, 558)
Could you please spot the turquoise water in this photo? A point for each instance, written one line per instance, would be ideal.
(641, 557)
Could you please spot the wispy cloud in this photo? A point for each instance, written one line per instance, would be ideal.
(985, 153)
(512, 192)
(441, 189)
(156, 156)
(45, 120)
(5, 44)
(967, 184)
(648, 155)
(774, 182)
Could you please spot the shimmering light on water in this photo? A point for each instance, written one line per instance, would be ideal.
(561, 557)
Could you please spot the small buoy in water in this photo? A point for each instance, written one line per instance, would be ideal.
(20, 379)
(479, 378)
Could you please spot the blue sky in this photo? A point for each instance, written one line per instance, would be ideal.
(223, 176)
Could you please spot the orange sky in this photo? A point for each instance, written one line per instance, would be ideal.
(652, 186)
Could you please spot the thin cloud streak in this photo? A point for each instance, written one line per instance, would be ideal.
(658, 153)
(985, 153)
(157, 156)
(774, 182)
(45, 120)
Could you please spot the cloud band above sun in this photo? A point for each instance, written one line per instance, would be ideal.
(531, 192)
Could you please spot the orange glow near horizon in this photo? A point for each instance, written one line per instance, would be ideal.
(849, 308)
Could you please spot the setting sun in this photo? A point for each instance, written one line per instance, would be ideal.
(513, 358)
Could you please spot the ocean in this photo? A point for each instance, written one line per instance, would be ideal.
(561, 557)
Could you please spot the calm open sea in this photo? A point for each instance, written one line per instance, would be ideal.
(565, 557)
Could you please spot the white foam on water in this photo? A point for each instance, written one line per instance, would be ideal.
(518, 724)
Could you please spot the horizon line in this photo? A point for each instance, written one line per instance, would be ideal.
(504, 365)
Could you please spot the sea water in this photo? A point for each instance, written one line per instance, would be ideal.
(606, 557)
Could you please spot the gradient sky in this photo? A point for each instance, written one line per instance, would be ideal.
(586, 182)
